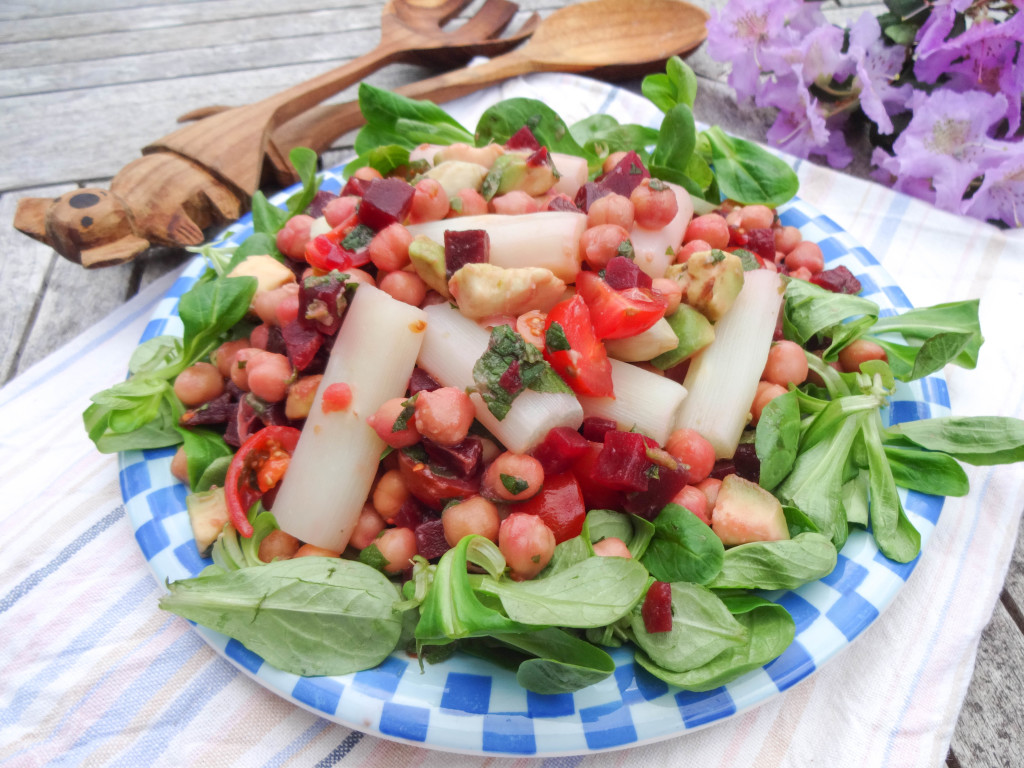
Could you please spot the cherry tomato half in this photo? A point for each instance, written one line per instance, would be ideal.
(258, 465)
(619, 313)
(574, 351)
(559, 503)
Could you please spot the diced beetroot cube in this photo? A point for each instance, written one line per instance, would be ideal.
(221, 410)
(626, 175)
(322, 302)
(657, 608)
(523, 139)
(722, 469)
(596, 427)
(762, 242)
(748, 466)
(319, 202)
(409, 515)
(561, 202)
(559, 449)
(596, 492)
(355, 186)
(661, 488)
(838, 280)
(430, 540)
(588, 193)
(623, 273)
(511, 380)
(462, 459)
(738, 239)
(421, 381)
(623, 462)
(385, 202)
(302, 344)
(471, 246)
(275, 341)
(538, 158)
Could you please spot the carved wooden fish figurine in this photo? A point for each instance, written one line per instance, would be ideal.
(158, 199)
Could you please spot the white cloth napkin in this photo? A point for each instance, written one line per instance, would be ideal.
(92, 672)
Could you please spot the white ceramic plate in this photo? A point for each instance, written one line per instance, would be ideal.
(468, 705)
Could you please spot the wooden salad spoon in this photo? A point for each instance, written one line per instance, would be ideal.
(613, 38)
(206, 172)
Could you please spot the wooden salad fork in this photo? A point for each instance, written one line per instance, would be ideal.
(206, 172)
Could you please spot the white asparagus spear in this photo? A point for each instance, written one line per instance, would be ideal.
(451, 347)
(548, 239)
(723, 377)
(644, 401)
(336, 459)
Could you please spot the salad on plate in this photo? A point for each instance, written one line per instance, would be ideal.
(535, 393)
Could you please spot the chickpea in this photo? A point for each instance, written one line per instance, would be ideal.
(293, 236)
(611, 209)
(655, 204)
(224, 356)
(672, 292)
(801, 273)
(397, 546)
(527, 544)
(199, 383)
(612, 547)
(240, 365)
(806, 254)
(260, 336)
(179, 465)
(612, 160)
(444, 415)
(787, 238)
(787, 364)
(367, 173)
(693, 450)
(312, 550)
(860, 351)
(267, 303)
(360, 276)
(390, 494)
(269, 377)
(756, 217)
(711, 228)
(600, 244)
(367, 529)
(766, 392)
(404, 286)
(693, 499)
(475, 515)
(470, 203)
(278, 545)
(694, 246)
(389, 248)
(429, 202)
(710, 487)
(341, 209)
(383, 423)
(514, 203)
(512, 477)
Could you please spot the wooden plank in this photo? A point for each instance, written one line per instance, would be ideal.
(990, 731)
(23, 272)
(142, 18)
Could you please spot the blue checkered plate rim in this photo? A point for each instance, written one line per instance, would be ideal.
(469, 705)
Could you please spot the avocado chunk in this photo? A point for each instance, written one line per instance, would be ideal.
(513, 171)
(208, 513)
(746, 512)
(694, 332)
(711, 281)
(428, 260)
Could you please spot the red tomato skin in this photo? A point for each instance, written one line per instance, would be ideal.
(559, 504)
(433, 488)
(584, 366)
(618, 314)
(238, 493)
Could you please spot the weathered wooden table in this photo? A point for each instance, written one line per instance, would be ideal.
(84, 84)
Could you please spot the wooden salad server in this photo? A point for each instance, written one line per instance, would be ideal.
(612, 38)
(205, 173)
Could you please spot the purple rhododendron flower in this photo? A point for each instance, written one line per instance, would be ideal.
(947, 141)
(875, 66)
(1001, 194)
